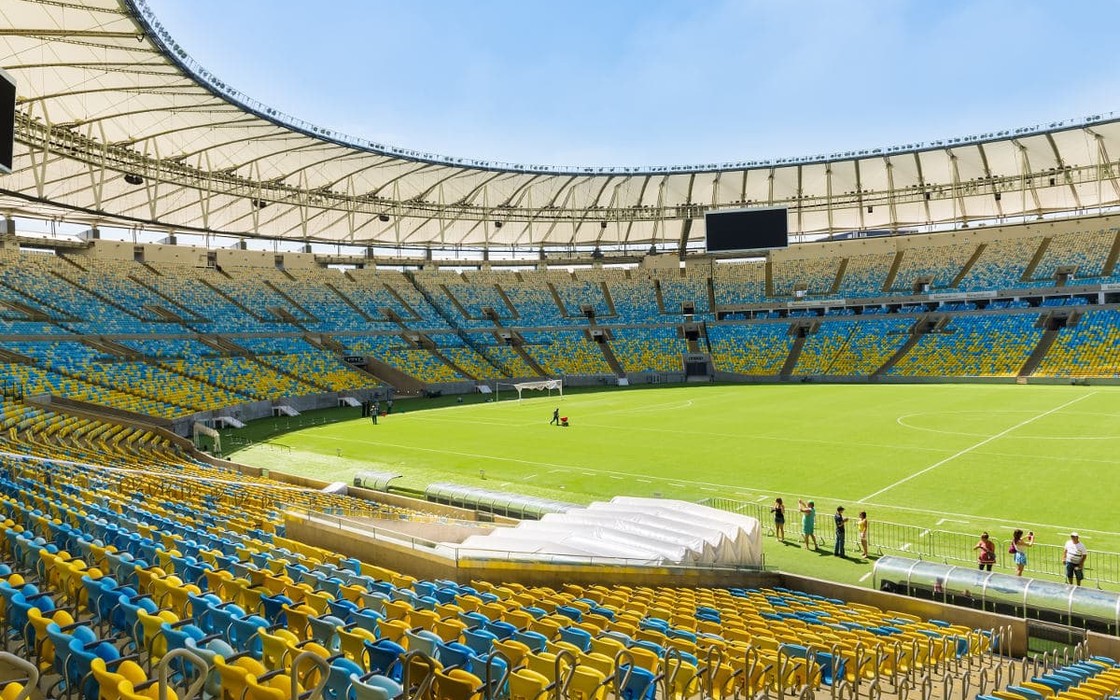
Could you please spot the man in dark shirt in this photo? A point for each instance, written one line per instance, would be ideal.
(840, 522)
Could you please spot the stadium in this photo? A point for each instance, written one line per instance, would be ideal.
(276, 402)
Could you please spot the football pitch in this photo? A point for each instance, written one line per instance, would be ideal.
(962, 457)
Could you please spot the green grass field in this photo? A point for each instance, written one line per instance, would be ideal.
(956, 457)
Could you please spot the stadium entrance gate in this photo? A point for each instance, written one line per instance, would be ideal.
(697, 366)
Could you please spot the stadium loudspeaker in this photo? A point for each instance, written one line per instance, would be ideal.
(383, 218)
(998, 196)
(870, 210)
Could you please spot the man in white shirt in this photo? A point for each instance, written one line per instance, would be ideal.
(1073, 556)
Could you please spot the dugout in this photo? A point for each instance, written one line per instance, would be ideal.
(377, 481)
(1045, 602)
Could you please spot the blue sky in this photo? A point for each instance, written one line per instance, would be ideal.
(655, 82)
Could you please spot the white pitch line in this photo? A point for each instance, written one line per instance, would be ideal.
(978, 445)
(865, 576)
(901, 420)
(942, 521)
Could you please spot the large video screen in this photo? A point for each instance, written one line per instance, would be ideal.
(7, 121)
(746, 230)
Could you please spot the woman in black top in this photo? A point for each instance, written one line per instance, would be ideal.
(779, 511)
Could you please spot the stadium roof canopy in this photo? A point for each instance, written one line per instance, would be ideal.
(117, 125)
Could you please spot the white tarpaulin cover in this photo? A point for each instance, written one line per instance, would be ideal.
(641, 531)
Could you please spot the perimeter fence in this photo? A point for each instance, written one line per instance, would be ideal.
(932, 544)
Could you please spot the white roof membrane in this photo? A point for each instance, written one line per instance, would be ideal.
(635, 531)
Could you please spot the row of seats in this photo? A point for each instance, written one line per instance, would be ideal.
(146, 567)
(973, 346)
(649, 349)
(850, 347)
(122, 297)
(1096, 678)
(1090, 349)
(182, 375)
(755, 349)
(561, 353)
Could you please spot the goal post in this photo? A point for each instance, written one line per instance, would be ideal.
(549, 385)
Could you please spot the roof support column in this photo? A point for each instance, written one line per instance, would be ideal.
(154, 179)
(996, 194)
(800, 196)
(924, 187)
(892, 197)
(828, 194)
(1105, 170)
(1026, 177)
(859, 196)
(1064, 170)
(686, 222)
(97, 168)
(205, 191)
(40, 157)
(958, 194)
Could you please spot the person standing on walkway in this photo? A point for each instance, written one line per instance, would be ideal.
(779, 511)
(862, 523)
(987, 549)
(1018, 550)
(808, 522)
(1074, 555)
(841, 528)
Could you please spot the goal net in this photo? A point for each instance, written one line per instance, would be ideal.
(549, 385)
